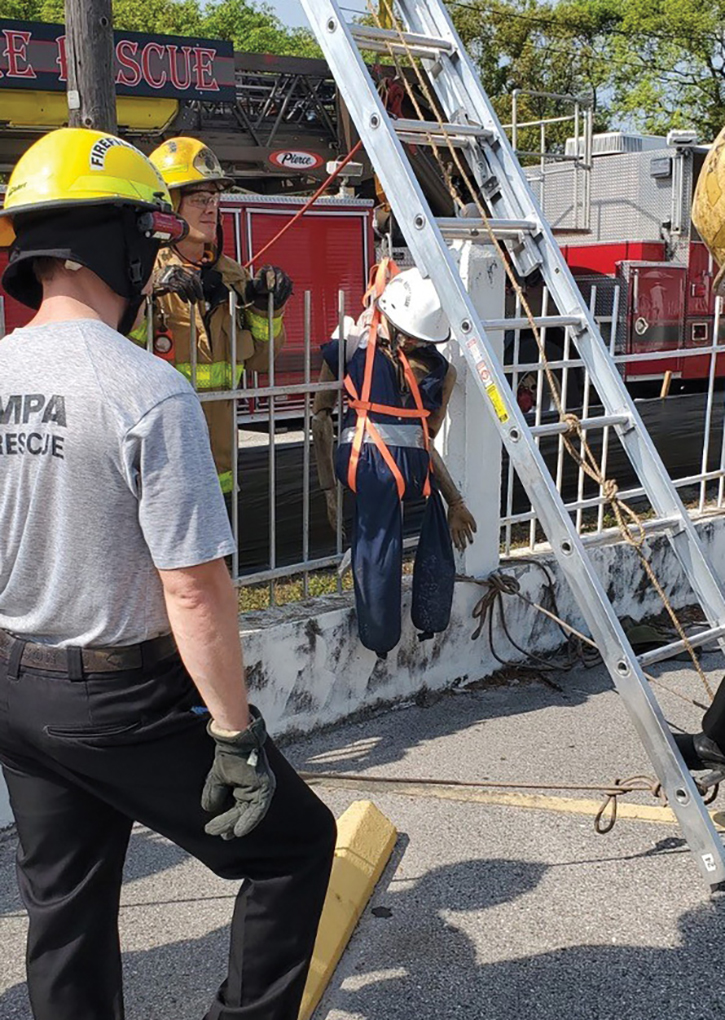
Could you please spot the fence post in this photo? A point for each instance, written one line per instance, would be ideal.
(469, 441)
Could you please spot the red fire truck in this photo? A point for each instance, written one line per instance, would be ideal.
(627, 231)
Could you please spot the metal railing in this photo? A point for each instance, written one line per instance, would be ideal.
(581, 120)
(695, 458)
(278, 510)
(298, 559)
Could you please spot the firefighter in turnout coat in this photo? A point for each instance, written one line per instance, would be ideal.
(196, 278)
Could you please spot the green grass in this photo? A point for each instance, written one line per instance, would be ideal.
(291, 589)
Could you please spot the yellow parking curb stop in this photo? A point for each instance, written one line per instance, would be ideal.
(365, 841)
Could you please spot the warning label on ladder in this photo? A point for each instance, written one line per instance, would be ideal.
(491, 389)
(497, 401)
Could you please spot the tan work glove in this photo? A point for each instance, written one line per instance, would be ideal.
(462, 524)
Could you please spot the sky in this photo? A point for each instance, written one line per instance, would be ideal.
(291, 13)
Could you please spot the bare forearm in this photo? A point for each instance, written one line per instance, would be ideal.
(201, 603)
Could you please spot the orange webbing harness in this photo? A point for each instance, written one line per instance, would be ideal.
(362, 404)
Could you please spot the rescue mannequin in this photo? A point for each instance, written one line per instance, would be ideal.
(197, 274)
(398, 386)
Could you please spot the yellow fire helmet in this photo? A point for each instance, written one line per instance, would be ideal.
(185, 161)
(78, 167)
(708, 205)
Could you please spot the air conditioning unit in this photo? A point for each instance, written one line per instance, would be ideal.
(681, 136)
(614, 143)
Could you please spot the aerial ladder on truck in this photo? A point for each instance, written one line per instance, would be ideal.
(421, 33)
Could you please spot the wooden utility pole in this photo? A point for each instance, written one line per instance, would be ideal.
(91, 62)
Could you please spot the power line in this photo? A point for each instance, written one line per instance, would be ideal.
(553, 22)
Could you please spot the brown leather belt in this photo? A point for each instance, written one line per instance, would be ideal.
(95, 660)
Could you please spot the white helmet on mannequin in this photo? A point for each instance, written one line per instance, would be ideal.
(411, 305)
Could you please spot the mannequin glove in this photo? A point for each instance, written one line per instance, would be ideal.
(462, 524)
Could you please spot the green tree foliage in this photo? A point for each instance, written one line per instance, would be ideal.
(667, 60)
(251, 27)
(648, 64)
(523, 45)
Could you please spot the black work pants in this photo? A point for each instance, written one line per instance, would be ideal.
(83, 759)
(713, 722)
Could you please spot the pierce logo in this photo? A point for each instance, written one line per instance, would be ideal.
(295, 159)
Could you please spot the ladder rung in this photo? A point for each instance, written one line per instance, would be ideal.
(454, 141)
(460, 228)
(430, 132)
(656, 524)
(667, 651)
(428, 126)
(540, 321)
(556, 428)
(382, 40)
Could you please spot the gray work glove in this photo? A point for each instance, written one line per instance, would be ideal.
(178, 280)
(241, 784)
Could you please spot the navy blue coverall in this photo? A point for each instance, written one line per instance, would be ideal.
(377, 537)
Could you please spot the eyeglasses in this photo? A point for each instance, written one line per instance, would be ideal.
(202, 199)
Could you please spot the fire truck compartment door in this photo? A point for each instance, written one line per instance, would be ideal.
(325, 252)
(699, 282)
(656, 316)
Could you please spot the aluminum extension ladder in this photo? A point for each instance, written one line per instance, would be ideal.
(475, 130)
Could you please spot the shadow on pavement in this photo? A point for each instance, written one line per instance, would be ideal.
(420, 963)
(413, 958)
(387, 736)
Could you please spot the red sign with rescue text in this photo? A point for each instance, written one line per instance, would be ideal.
(33, 56)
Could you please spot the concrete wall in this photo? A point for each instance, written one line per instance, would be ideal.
(311, 669)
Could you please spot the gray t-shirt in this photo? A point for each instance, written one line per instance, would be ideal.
(105, 474)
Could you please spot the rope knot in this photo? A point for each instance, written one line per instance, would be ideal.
(607, 814)
(610, 489)
(572, 423)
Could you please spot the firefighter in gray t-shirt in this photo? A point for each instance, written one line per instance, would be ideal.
(122, 694)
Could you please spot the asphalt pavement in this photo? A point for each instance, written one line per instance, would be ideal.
(485, 911)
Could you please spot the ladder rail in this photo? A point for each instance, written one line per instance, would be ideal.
(434, 258)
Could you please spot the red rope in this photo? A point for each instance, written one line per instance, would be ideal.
(338, 169)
